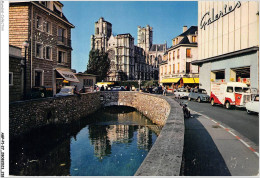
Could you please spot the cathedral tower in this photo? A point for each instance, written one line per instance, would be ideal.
(145, 37)
(103, 31)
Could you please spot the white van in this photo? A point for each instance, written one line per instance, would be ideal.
(229, 94)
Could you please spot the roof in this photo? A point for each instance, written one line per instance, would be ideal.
(84, 74)
(190, 31)
(62, 17)
(159, 47)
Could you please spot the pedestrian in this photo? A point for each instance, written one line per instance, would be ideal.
(164, 91)
(83, 90)
(106, 88)
(102, 88)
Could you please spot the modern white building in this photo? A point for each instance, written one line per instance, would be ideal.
(228, 42)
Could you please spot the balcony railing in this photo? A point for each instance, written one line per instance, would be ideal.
(64, 41)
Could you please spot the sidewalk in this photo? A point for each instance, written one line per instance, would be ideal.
(211, 150)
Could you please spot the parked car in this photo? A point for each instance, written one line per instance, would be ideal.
(40, 92)
(66, 91)
(117, 88)
(198, 95)
(182, 93)
(253, 106)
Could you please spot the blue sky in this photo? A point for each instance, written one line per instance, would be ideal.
(166, 17)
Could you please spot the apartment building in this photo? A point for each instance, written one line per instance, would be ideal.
(177, 67)
(41, 30)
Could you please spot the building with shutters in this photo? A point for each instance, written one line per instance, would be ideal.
(176, 70)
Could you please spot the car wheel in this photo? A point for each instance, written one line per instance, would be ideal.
(212, 102)
(199, 100)
(42, 95)
(227, 105)
(248, 111)
(189, 98)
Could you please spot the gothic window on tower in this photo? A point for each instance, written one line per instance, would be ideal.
(142, 37)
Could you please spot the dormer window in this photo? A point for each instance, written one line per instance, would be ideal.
(194, 39)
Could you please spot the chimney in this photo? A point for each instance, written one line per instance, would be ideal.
(184, 28)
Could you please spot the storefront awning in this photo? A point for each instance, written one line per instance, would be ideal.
(68, 75)
(197, 80)
(190, 80)
(170, 80)
(105, 83)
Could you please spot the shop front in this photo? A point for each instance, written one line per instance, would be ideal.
(170, 83)
(64, 77)
(228, 43)
(237, 68)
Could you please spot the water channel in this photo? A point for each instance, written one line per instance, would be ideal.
(112, 142)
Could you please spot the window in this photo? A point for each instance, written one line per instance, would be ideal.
(10, 78)
(38, 78)
(61, 57)
(188, 53)
(169, 56)
(88, 82)
(48, 27)
(39, 22)
(194, 39)
(97, 32)
(48, 53)
(187, 67)
(170, 70)
(173, 54)
(173, 68)
(230, 89)
(178, 53)
(61, 34)
(39, 50)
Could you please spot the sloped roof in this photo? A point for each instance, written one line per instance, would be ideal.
(159, 47)
(190, 31)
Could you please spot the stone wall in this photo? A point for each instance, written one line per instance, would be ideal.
(154, 107)
(27, 115)
(164, 159)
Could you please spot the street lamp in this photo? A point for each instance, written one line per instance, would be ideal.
(25, 45)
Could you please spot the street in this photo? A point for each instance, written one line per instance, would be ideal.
(247, 126)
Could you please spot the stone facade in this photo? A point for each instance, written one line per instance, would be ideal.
(127, 59)
(140, 101)
(103, 31)
(166, 154)
(16, 74)
(121, 53)
(27, 115)
(48, 33)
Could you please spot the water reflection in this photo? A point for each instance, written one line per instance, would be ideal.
(113, 141)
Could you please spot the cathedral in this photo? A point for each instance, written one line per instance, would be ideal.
(128, 61)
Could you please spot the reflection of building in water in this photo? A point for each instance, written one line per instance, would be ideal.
(118, 133)
(98, 137)
(144, 138)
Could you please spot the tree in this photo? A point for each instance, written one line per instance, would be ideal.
(98, 64)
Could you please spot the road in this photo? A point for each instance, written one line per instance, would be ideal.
(237, 119)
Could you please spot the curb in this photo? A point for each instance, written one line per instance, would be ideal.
(229, 131)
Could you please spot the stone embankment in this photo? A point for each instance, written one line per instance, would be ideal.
(164, 159)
